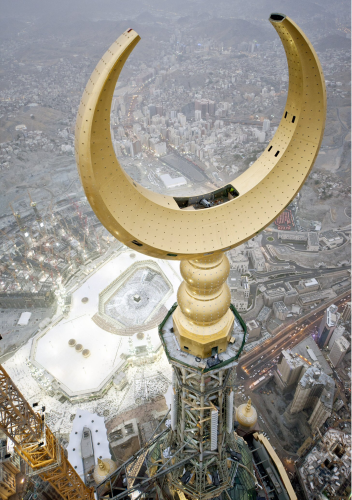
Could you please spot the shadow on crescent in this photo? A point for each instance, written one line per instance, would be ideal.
(155, 224)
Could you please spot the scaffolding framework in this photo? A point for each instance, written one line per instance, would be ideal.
(36, 444)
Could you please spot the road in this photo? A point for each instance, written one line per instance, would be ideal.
(282, 275)
(262, 356)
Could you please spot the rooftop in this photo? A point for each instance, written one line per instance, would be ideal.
(307, 348)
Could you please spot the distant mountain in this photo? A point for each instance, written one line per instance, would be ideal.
(78, 27)
(232, 31)
(333, 42)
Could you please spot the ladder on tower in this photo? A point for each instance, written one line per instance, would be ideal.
(36, 444)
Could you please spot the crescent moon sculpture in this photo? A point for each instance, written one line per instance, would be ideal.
(174, 228)
(154, 224)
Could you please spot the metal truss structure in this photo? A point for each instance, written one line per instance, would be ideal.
(36, 444)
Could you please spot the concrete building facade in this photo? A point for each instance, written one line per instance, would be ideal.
(289, 370)
(338, 350)
(253, 330)
(313, 242)
(346, 313)
(280, 310)
(328, 325)
(309, 390)
(338, 332)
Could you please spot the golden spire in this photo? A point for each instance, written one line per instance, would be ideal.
(203, 320)
(248, 407)
(246, 415)
(102, 465)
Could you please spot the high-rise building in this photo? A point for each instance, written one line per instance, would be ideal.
(338, 350)
(327, 325)
(310, 388)
(205, 106)
(289, 370)
(152, 110)
(253, 329)
(338, 332)
(322, 410)
(346, 313)
(137, 147)
(266, 125)
(159, 109)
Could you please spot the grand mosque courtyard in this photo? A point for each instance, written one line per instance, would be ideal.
(108, 339)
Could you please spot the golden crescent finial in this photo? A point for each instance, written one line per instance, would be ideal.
(154, 224)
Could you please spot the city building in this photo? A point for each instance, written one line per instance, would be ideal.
(264, 315)
(283, 293)
(310, 353)
(306, 300)
(293, 236)
(257, 258)
(291, 295)
(313, 386)
(289, 370)
(327, 467)
(274, 295)
(238, 260)
(307, 286)
(330, 239)
(253, 330)
(280, 310)
(239, 289)
(313, 242)
(338, 332)
(338, 350)
(172, 182)
(328, 325)
(322, 410)
(346, 313)
(266, 125)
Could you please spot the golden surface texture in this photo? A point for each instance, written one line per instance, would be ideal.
(246, 415)
(153, 223)
(203, 319)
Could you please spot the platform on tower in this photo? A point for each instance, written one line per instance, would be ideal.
(174, 353)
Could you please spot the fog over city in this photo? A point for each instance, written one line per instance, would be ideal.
(197, 103)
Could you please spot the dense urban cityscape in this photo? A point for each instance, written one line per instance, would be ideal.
(81, 337)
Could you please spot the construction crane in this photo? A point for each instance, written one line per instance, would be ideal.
(36, 444)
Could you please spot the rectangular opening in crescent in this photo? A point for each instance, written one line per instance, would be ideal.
(208, 200)
(286, 114)
(277, 153)
(135, 242)
(293, 119)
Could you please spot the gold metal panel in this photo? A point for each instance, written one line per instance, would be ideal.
(133, 213)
